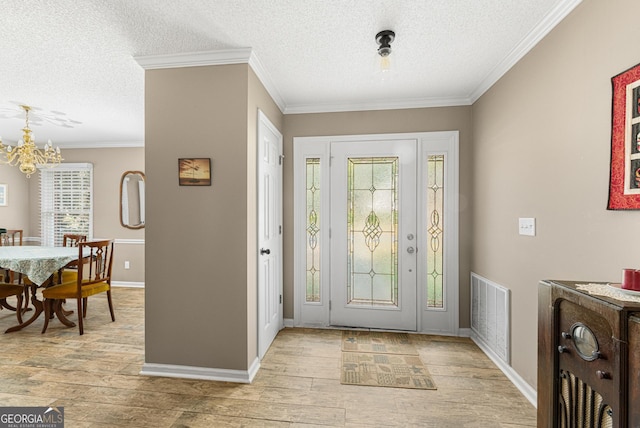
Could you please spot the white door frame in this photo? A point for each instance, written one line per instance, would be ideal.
(269, 237)
(316, 314)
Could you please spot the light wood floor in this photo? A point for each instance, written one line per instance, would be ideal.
(95, 378)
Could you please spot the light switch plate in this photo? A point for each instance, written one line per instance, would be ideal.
(527, 226)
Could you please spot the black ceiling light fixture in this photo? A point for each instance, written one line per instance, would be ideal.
(384, 39)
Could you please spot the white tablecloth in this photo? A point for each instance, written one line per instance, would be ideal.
(37, 263)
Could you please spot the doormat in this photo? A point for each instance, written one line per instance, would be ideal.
(390, 370)
(377, 342)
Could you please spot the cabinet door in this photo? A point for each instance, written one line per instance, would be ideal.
(633, 373)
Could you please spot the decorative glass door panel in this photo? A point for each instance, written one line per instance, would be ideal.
(372, 231)
(373, 222)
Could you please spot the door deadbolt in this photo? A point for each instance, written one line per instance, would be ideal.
(263, 251)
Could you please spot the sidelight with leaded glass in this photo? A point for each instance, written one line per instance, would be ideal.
(435, 231)
(313, 230)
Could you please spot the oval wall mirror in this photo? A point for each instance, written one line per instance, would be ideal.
(132, 200)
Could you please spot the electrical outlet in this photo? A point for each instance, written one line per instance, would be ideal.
(527, 226)
(127, 265)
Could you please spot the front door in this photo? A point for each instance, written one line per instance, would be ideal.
(270, 319)
(373, 234)
(376, 231)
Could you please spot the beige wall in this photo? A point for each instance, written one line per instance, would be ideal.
(201, 235)
(382, 122)
(16, 214)
(542, 149)
(23, 211)
(108, 166)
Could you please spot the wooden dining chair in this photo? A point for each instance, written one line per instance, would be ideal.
(94, 276)
(11, 237)
(8, 290)
(8, 287)
(70, 271)
(72, 239)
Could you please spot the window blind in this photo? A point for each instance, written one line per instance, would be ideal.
(66, 202)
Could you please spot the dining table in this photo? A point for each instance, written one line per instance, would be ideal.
(39, 264)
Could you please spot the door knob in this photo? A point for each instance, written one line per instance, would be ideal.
(263, 251)
(410, 250)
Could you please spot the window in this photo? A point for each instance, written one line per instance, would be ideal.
(66, 202)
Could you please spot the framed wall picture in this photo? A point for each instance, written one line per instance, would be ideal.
(194, 172)
(624, 182)
(3, 195)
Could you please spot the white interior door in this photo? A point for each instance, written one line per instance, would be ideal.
(373, 234)
(270, 319)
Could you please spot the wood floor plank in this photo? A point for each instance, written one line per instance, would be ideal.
(202, 420)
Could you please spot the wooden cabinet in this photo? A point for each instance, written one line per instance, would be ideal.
(588, 358)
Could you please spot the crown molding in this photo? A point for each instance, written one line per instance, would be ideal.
(534, 37)
(265, 78)
(194, 59)
(219, 57)
(379, 105)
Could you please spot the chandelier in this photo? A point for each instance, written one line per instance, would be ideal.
(26, 155)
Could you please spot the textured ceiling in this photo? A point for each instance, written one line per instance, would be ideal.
(78, 57)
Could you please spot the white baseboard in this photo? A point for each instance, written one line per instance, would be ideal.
(202, 373)
(464, 332)
(288, 322)
(526, 389)
(129, 284)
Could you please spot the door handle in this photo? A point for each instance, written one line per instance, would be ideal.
(263, 251)
(410, 250)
